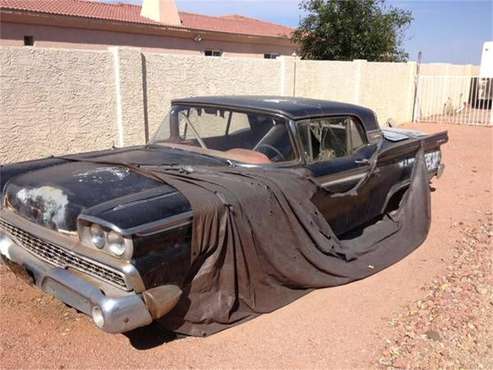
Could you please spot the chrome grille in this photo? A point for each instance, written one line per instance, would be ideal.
(61, 257)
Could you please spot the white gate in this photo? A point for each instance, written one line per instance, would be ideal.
(454, 99)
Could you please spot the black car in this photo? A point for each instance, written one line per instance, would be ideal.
(93, 230)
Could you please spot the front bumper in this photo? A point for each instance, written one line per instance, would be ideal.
(115, 313)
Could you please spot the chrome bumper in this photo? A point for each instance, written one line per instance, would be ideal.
(114, 314)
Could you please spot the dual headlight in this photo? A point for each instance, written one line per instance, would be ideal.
(106, 240)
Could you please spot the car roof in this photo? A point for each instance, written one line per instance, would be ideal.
(295, 108)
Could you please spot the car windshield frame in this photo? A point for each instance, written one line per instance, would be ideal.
(174, 138)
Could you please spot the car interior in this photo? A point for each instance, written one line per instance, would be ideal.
(252, 137)
(325, 139)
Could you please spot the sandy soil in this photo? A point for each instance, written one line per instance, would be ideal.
(452, 325)
(343, 327)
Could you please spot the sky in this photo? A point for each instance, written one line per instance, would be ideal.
(449, 31)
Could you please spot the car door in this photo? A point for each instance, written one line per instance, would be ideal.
(337, 152)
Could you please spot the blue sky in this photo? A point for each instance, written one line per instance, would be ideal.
(444, 30)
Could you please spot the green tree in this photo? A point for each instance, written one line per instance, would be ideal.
(352, 29)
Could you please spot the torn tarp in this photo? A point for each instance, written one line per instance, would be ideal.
(259, 242)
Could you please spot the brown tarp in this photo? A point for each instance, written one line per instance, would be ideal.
(259, 242)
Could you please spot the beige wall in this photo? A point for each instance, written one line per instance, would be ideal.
(327, 80)
(56, 101)
(387, 88)
(12, 34)
(181, 76)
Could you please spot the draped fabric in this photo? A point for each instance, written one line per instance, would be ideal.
(260, 243)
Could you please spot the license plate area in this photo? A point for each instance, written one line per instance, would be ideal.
(432, 160)
(66, 295)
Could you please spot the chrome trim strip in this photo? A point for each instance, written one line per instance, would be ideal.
(339, 177)
(162, 225)
(101, 222)
(165, 228)
(343, 179)
(144, 229)
(140, 200)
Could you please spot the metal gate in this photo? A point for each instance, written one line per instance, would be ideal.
(454, 99)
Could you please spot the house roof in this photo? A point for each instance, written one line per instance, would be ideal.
(128, 13)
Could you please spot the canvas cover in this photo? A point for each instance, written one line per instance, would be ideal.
(259, 242)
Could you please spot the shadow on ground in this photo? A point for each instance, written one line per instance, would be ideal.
(150, 336)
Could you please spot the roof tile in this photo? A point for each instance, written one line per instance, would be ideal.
(131, 14)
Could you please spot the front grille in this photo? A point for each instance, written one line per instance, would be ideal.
(61, 257)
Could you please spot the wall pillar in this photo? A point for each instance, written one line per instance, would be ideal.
(412, 85)
(359, 66)
(288, 75)
(130, 104)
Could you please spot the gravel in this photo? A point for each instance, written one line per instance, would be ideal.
(451, 326)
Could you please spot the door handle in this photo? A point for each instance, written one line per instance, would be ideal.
(362, 161)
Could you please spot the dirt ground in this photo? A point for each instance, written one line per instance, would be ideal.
(432, 309)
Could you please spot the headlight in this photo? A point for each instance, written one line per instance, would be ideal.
(116, 244)
(98, 236)
(105, 239)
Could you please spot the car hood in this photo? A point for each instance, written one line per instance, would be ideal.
(54, 196)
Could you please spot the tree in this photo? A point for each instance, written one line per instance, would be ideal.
(352, 29)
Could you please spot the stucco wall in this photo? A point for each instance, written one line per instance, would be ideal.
(327, 80)
(54, 101)
(388, 89)
(176, 76)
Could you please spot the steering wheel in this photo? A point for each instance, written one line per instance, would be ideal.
(268, 146)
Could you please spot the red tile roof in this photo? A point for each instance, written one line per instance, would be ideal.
(234, 24)
(131, 14)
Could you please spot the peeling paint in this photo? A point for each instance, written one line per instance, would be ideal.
(103, 174)
(50, 202)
